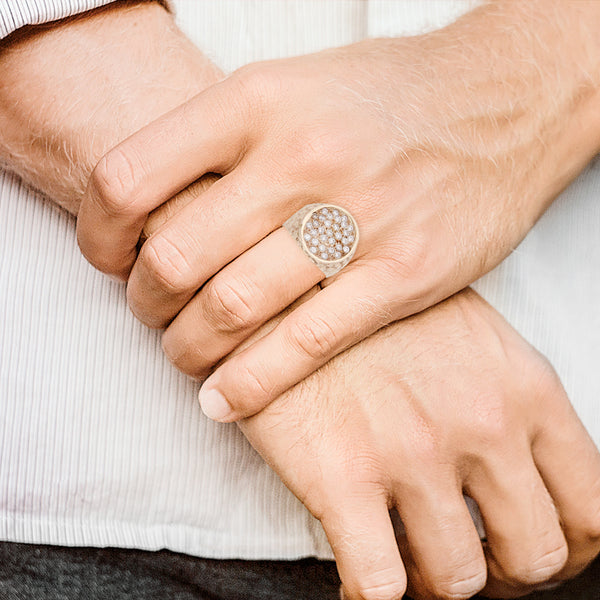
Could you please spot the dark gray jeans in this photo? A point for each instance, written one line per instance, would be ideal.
(30, 572)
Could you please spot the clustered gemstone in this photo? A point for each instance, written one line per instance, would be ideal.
(329, 233)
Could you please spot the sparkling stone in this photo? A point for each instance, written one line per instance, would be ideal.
(329, 234)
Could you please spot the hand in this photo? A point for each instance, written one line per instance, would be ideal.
(448, 402)
(445, 147)
(58, 116)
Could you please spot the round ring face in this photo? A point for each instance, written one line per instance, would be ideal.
(329, 234)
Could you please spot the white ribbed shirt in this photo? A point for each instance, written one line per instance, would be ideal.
(102, 442)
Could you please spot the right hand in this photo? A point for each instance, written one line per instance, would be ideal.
(447, 402)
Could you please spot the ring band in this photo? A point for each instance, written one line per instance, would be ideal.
(327, 234)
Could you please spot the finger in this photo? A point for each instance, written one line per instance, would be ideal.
(525, 544)
(444, 543)
(362, 538)
(569, 464)
(160, 215)
(256, 286)
(206, 134)
(305, 340)
(205, 235)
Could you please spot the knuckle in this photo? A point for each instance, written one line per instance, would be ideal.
(258, 83)
(230, 305)
(185, 354)
(255, 389)
(313, 337)
(115, 181)
(464, 582)
(166, 265)
(591, 525)
(540, 568)
(322, 153)
(388, 590)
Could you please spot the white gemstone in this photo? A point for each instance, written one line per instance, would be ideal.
(314, 249)
(315, 241)
(324, 256)
(350, 238)
(337, 255)
(337, 235)
(327, 223)
(323, 238)
(331, 241)
(307, 236)
(335, 212)
(324, 211)
(345, 241)
(322, 247)
(338, 247)
(321, 230)
(345, 249)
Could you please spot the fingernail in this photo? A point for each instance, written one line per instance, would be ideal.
(214, 405)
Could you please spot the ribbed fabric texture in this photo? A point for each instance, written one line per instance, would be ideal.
(15, 14)
(102, 441)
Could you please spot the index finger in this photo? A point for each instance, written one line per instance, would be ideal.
(205, 134)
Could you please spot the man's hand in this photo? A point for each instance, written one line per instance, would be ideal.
(445, 147)
(73, 89)
(448, 402)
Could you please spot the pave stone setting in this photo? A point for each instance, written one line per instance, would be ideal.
(327, 234)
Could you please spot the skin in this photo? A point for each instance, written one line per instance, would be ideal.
(334, 437)
(447, 402)
(459, 140)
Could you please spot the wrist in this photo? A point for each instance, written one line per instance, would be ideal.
(545, 59)
(72, 91)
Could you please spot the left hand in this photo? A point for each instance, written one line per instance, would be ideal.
(444, 149)
(448, 402)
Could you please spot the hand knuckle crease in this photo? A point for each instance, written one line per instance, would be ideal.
(229, 306)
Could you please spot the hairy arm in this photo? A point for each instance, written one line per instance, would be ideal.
(73, 89)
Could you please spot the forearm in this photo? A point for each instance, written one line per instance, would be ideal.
(71, 91)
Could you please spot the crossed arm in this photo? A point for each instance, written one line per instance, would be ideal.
(445, 402)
